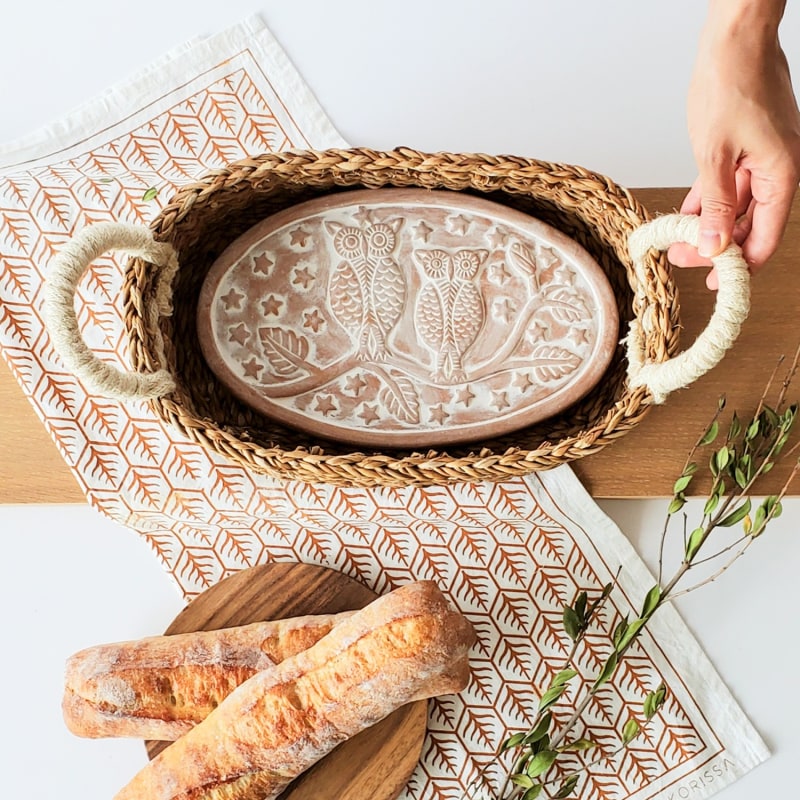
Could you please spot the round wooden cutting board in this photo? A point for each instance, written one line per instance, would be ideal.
(376, 764)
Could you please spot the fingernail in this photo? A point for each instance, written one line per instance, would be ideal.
(709, 244)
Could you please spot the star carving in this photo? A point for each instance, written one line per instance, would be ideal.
(500, 400)
(422, 230)
(579, 335)
(364, 216)
(499, 274)
(355, 384)
(263, 264)
(503, 309)
(239, 334)
(302, 277)
(252, 368)
(232, 299)
(325, 405)
(459, 224)
(299, 237)
(438, 414)
(272, 305)
(313, 319)
(465, 396)
(497, 237)
(369, 414)
(522, 381)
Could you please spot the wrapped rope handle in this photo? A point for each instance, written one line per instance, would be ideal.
(730, 310)
(61, 322)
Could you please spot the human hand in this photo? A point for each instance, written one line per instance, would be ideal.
(744, 126)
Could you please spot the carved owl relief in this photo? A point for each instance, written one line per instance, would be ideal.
(449, 312)
(367, 289)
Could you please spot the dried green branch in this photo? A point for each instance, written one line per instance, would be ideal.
(747, 452)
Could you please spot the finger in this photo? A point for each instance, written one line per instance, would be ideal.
(691, 203)
(771, 208)
(718, 204)
(684, 255)
(744, 193)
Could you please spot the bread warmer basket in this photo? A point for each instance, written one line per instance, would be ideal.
(170, 259)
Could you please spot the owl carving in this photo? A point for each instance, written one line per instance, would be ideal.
(449, 312)
(367, 289)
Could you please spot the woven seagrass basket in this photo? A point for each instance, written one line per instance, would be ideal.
(162, 285)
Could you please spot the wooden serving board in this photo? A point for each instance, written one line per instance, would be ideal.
(376, 764)
(643, 463)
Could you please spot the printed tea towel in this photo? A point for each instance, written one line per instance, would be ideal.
(509, 555)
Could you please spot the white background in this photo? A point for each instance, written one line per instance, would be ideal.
(595, 83)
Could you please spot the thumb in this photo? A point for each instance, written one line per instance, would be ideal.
(717, 206)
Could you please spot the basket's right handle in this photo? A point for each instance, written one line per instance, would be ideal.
(61, 322)
(730, 310)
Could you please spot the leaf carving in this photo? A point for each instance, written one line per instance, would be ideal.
(285, 350)
(566, 305)
(551, 362)
(399, 397)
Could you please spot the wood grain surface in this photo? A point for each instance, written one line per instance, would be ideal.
(644, 463)
(376, 764)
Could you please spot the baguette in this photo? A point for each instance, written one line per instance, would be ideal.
(404, 646)
(162, 686)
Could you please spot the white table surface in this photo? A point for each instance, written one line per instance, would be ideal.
(598, 84)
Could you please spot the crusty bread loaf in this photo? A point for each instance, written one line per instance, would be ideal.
(162, 686)
(404, 646)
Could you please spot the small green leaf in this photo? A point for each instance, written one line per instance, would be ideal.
(678, 502)
(722, 457)
(524, 781)
(607, 671)
(654, 701)
(693, 545)
(741, 478)
(538, 733)
(651, 601)
(737, 515)
(735, 427)
(649, 706)
(567, 788)
(512, 742)
(550, 697)
(752, 430)
(150, 194)
(630, 634)
(572, 623)
(563, 676)
(533, 792)
(710, 434)
(710, 505)
(760, 519)
(580, 605)
(540, 763)
(630, 731)
(619, 632)
(577, 745)
(681, 484)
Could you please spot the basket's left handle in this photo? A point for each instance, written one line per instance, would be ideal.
(61, 322)
(730, 311)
